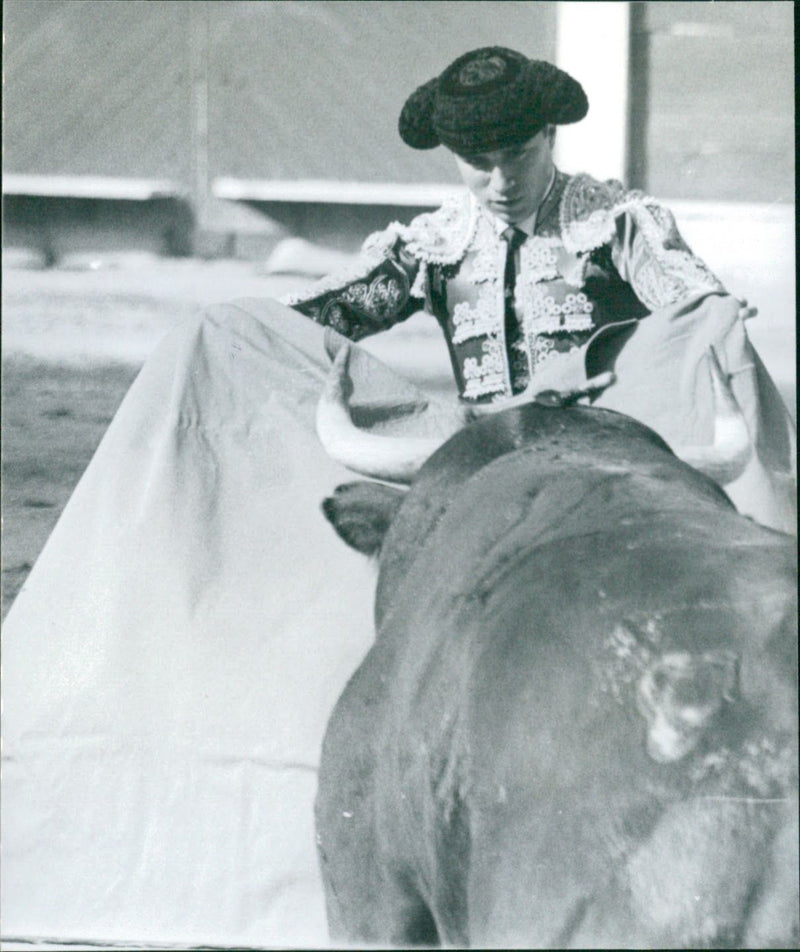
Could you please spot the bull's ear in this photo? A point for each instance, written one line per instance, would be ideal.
(362, 512)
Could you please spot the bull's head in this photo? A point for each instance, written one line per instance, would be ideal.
(398, 459)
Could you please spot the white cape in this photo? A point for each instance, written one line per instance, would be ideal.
(171, 662)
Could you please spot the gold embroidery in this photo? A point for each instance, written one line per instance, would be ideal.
(443, 236)
(334, 316)
(483, 318)
(543, 314)
(542, 349)
(585, 212)
(419, 289)
(380, 299)
(538, 259)
(379, 245)
(487, 375)
(488, 262)
(672, 272)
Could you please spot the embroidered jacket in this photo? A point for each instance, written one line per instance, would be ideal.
(599, 254)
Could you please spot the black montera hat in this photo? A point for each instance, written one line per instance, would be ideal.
(489, 99)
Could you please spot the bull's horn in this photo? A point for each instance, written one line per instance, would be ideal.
(726, 458)
(396, 459)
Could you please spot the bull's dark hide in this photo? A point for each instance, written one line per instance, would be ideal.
(577, 725)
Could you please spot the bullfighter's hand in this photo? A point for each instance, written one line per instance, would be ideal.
(552, 397)
(581, 393)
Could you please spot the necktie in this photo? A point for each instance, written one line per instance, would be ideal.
(513, 237)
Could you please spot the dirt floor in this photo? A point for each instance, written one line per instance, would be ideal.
(53, 418)
(73, 341)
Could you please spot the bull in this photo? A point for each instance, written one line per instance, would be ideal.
(577, 724)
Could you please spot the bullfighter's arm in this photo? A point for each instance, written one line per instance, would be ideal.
(652, 257)
(383, 287)
(692, 306)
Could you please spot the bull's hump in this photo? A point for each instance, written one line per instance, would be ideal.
(514, 522)
(553, 439)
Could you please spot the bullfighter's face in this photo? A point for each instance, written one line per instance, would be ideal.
(511, 182)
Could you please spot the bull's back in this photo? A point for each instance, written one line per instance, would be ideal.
(526, 626)
(552, 441)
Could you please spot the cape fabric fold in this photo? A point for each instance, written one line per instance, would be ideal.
(170, 663)
(663, 379)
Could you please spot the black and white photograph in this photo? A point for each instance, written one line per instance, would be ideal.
(399, 487)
